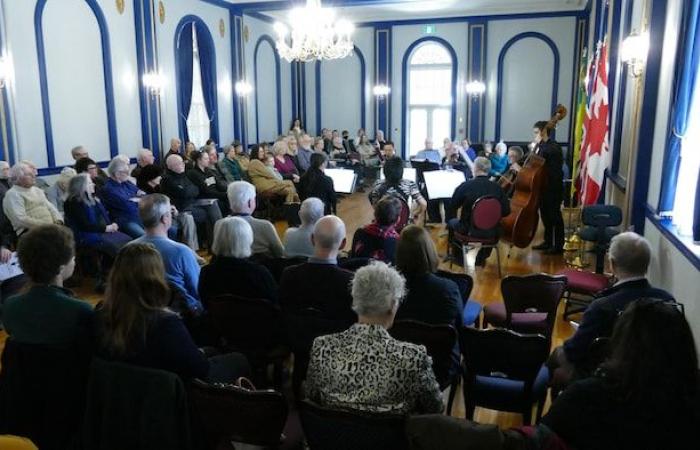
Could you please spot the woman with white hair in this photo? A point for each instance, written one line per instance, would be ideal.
(499, 160)
(284, 163)
(120, 197)
(364, 368)
(58, 193)
(230, 270)
(297, 241)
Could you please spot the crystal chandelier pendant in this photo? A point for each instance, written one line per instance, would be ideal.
(315, 35)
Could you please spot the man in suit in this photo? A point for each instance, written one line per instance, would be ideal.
(630, 254)
(553, 192)
(466, 195)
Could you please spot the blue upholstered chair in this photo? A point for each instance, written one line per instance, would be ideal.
(598, 227)
(504, 370)
(472, 309)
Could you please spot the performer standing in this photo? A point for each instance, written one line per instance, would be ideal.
(553, 194)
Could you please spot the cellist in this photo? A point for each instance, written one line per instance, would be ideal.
(553, 192)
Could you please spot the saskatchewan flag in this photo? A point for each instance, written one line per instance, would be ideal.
(581, 104)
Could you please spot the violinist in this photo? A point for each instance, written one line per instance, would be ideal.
(515, 163)
(553, 192)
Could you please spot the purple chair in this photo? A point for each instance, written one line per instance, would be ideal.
(485, 221)
(504, 370)
(530, 304)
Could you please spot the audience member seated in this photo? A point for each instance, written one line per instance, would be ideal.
(283, 162)
(87, 165)
(58, 193)
(187, 157)
(367, 152)
(348, 143)
(89, 220)
(38, 181)
(378, 239)
(175, 149)
(297, 240)
(120, 197)
(379, 141)
(645, 395)
(214, 162)
(629, 255)
(428, 153)
(465, 196)
(499, 160)
(228, 165)
(230, 271)
(242, 156)
(183, 193)
(241, 198)
(315, 183)
(134, 324)
(395, 185)
(364, 368)
(267, 180)
(319, 145)
(25, 205)
(320, 283)
(515, 158)
(143, 158)
(79, 152)
(149, 178)
(47, 313)
(455, 160)
(468, 150)
(304, 153)
(4, 178)
(210, 184)
(180, 261)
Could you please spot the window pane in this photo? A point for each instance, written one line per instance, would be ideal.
(431, 53)
(688, 171)
(441, 125)
(430, 87)
(418, 130)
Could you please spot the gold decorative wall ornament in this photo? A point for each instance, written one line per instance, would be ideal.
(161, 12)
(246, 34)
(120, 6)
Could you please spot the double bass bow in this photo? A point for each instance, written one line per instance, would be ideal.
(520, 225)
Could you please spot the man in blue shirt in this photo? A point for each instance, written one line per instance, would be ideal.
(429, 153)
(180, 261)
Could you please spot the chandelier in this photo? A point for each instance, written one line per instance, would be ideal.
(315, 35)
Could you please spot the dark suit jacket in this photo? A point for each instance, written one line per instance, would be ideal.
(325, 287)
(238, 277)
(554, 160)
(469, 192)
(600, 316)
(315, 183)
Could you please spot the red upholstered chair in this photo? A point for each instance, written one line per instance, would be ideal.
(485, 217)
(530, 304)
(404, 216)
(581, 288)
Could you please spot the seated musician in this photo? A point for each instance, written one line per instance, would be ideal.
(428, 153)
(466, 195)
(456, 160)
(395, 185)
(515, 163)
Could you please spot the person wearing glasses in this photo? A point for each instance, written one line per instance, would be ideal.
(629, 255)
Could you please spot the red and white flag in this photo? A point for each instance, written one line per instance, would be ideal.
(595, 148)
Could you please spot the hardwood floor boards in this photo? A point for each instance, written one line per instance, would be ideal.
(356, 211)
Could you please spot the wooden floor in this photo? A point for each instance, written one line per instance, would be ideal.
(356, 211)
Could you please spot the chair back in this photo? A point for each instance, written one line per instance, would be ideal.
(439, 341)
(328, 429)
(231, 413)
(503, 353)
(601, 216)
(276, 266)
(464, 281)
(404, 215)
(486, 213)
(42, 392)
(533, 293)
(352, 264)
(248, 325)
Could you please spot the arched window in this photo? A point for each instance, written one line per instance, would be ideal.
(429, 95)
(197, 117)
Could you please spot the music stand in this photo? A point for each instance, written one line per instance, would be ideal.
(343, 180)
(443, 183)
(423, 166)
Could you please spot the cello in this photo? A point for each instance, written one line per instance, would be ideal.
(520, 225)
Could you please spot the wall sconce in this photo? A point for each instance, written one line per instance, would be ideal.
(475, 88)
(633, 52)
(243, 88)
(381, 91)
(5, 72)
(154, 81)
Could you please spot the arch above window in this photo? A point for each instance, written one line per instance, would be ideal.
(430, 53)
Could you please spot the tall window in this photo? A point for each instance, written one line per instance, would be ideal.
(688, 171)
(429, 95)
(197, 118)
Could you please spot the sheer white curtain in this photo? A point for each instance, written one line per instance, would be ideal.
(197, 118)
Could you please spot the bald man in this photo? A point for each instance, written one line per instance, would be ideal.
(175, 149)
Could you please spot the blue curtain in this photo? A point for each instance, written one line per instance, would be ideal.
(207, 65)
(696, 217)
(687, 79)
(184, 63)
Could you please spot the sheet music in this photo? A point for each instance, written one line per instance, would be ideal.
(343, 180)
(442, 183)
(409, 173)
(11, 268)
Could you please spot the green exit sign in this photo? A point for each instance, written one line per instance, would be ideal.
(429, 29)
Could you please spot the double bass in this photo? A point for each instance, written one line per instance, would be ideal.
(520, 225)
